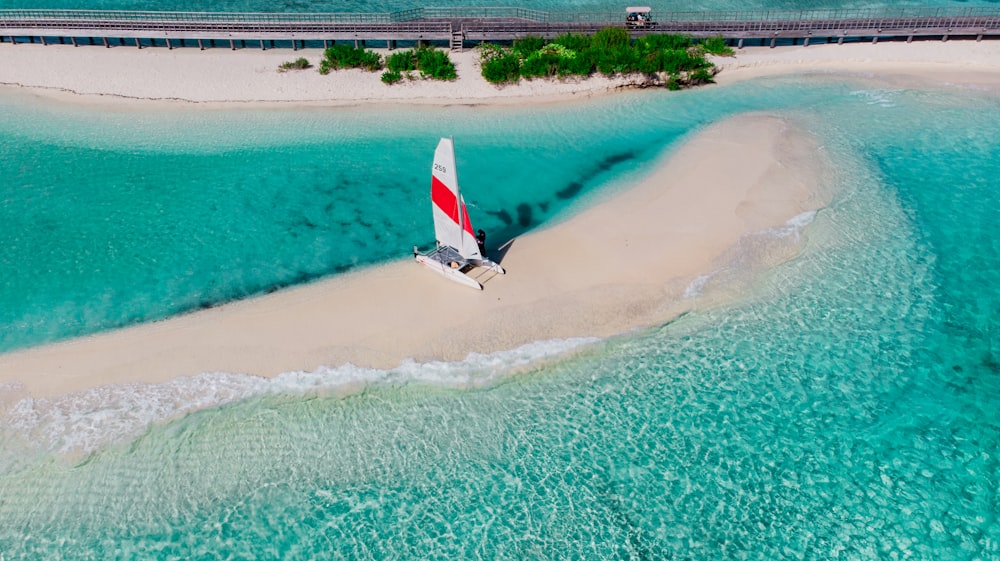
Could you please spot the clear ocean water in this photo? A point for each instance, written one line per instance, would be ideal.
(845, 406)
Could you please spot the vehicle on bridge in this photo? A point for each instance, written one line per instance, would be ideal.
(638, 16)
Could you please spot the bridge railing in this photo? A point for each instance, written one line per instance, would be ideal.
(501, 13)
(514, 20)
(21, 16)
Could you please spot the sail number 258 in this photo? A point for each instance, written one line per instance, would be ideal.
(440, 168)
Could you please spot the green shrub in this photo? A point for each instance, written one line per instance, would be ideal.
(610, 38)
(499, 65)
(527, 45)
(701, 76)
(490, 51)
(573, 42)
(609, 51)
(400, 62)
(665, 42)
(297, 64)
(540, 64)
(675, 62)
(435, 64)
(430, 62)
(344, 56)
(717, 46)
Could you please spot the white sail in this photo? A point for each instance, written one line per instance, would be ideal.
(451, 220)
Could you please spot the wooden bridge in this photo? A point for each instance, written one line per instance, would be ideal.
(456, 26)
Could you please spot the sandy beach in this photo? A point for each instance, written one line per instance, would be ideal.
(221, 76)
(625, 263)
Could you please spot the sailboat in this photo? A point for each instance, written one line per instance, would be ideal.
(457, 253)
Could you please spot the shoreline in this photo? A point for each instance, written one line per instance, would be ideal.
(543, 298)
(248, 78)
(621, 265)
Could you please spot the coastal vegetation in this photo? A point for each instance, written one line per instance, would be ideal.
(297, 64)
(344, 56)
(427, 62)
(670, 60)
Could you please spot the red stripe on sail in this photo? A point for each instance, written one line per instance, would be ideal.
(468, 223)
(445, 199)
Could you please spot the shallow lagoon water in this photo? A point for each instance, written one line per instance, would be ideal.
(843, 407)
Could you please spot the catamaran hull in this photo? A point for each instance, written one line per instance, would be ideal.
(447, 272)
(486, 263)
(458, 247)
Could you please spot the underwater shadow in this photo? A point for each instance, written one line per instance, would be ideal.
(501, 251)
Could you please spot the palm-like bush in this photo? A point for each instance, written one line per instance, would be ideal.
(343, 56)
(431, 63)
(674, 58)
(297, 64)
(717, 46)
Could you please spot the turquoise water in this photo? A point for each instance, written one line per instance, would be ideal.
(844, 407)
(549, 5)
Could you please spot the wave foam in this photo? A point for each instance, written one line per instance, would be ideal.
(794, 226)
(697, 286)
(881, 97)
(83, 422)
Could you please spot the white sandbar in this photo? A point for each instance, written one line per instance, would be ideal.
(622, 264)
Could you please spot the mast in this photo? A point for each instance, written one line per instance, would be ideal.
(458, 199)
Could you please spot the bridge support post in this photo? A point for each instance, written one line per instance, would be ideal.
(774, 41)
(138, 45)
(388, 44)
(805, 43)
(201, 47)
(840, 40)
(295, 45)
(356, 43)
(979, 37)
(326, 43)
(740, 44)
(232, 45)
(262, 47)
(106, 45)
(945, 38)
(874, 39)
(169, 46)
(909, 39)
(73, 40)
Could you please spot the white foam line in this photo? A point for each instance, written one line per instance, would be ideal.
(83, 422)
(697, 286)
(794, 226)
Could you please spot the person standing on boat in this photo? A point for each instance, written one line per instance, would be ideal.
(481, 241)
